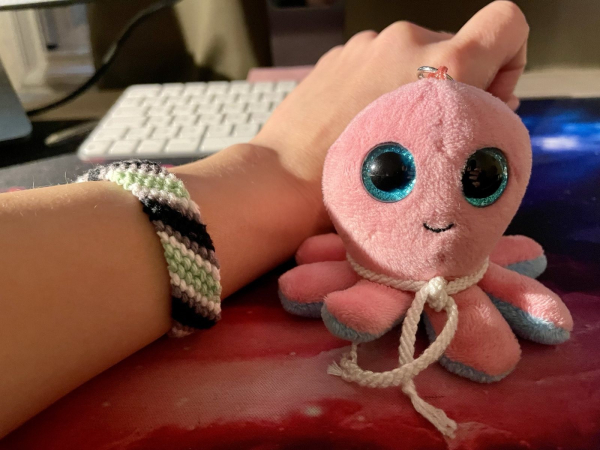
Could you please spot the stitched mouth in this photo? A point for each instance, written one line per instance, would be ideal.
(438, 230)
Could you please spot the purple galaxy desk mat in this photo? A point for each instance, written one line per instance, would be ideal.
(258, 380)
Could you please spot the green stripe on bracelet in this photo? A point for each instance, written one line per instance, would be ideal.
(188, 270)
(127, 178)
(188, 249)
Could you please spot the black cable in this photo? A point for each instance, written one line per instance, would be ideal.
(109, 56)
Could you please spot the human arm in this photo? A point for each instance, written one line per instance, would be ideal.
(84, 282)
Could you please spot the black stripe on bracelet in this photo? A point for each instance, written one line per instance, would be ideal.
(193, 230)
(149, 166)
(187, 315)
(94, 174)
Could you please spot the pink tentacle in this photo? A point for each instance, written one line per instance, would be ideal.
(303, 288)
(365, 311)
(484, 348)
(533, 311)
(323, 247)
(515, 249)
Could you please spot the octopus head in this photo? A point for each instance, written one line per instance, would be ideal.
(426, 179)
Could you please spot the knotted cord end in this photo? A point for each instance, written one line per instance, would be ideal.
(436, 416)
(437, 293)
(334, 369)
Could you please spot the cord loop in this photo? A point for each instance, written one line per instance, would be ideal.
(437, 293)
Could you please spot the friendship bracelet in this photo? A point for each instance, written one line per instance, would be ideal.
(188, 248)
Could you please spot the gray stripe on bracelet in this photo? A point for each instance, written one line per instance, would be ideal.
(204, 253)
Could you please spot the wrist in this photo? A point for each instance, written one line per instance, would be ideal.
(257, 211)
(286, 177)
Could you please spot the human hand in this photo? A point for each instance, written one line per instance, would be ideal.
(488, 52)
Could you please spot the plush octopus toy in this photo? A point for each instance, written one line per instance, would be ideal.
(420, 188)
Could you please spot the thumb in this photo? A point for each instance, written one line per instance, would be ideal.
(494, 46)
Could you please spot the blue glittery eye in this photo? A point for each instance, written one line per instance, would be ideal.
(388, 172)
(485, 177)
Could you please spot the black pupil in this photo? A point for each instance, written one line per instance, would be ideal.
(483, 175)
(388, 172)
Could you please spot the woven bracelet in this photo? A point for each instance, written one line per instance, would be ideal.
(189, 251)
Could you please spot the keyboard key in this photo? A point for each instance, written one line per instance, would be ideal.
(129, 111)
(185, 120)
(253, 97)
(201, 99)
(171, 90)
(124, 122)
(273, 97)
(192, 132)
(151, 146)
(157, 111)
(246, 129)
(109, 134)
(261, 107)
(236, 118)
(165, 132)
(217, 87)
(143, 90)
(154, 101)
(95, 148)
(159, 121)
(208, 109)
(234, 108)
(225, 98)
(239, 87)
(219, 131)
(286, 86)
(192, 89)
(184, 111)
(259, 117)
(265, 86)
(211, 119)
(139, 133)
(183, 145)
(211, 145)
(177, 101)
(123, 148)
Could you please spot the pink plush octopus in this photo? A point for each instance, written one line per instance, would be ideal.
(420, 187)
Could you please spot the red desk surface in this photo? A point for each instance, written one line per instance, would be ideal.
(258, 380)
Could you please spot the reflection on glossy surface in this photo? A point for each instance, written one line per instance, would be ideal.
(561, 208)
(389, 172)
(485, 177)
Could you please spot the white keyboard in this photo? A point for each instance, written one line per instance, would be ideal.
(190, 120)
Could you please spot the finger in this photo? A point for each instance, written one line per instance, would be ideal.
(505, 80)
(513, 102)
(492, 40)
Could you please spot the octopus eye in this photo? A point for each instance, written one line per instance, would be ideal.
(388, 172)
(484, 177)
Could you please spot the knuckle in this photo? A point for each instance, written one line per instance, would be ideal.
(402, 29)
(330, 54)
(362, 36)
